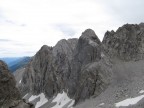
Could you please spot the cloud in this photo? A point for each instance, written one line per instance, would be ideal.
(9, 21)
(32, 23)
(66, 29)
(126, 11)
(5, 40)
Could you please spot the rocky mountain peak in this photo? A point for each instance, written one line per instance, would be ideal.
(65, 47)
(88, 48)
(90, 36)
(84, 68)
(89, 33)
(45, 48)
(126, 43)
(65, 67)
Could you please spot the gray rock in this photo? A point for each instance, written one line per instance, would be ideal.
(70, 65)
(48, 70)
(124, 48)
(18, 75)
(8, 91)
(9, 94)
(94, 79)
(126, 43)
(86, 68)
(87, 52)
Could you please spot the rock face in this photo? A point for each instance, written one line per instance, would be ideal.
(47, 71)
(125, 50)
(9, 94)
(86, 68)
(127, 43)
(125, 47)
(75, 66)
(111, 70)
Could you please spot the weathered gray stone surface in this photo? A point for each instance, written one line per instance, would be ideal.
(18, 74)
(9, 94)
(125, 50)
(75, 66)
(127, 43)
(85, 68)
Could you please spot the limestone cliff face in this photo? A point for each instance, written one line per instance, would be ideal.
(125, 50)
(49, 69)
(125, 47)
(9, 94)
(85, 67)
(127, 43)
(73, 65)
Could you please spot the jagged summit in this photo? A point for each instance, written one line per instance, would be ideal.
(65, 47)
(66, 67)
(125, 49)
(126, 43)
(45, 47)
(85, 67)
(89, 34)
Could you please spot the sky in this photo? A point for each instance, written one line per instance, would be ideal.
(26, 25)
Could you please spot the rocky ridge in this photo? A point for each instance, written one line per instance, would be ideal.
(124, 48)
(74, 66)
(9, 94)
(86, 68)
(127, 43)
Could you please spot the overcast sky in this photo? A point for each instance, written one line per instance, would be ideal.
(26, 25)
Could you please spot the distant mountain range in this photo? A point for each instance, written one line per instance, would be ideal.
(15, 63)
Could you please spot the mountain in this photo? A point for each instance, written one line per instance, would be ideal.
(73, 67)
(16, 63)
(88, 73)
(125, 50)
(8, 60)
(9, 94)
(19, 63)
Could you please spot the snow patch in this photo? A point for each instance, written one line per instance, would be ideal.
(71, 104)
(142, 91)
(42, 101)
(92, 43)
(33, 97)
(101, 104)
(25, 96)
(129, 101)
(20, 81)
(62, 99)
(102, 55)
